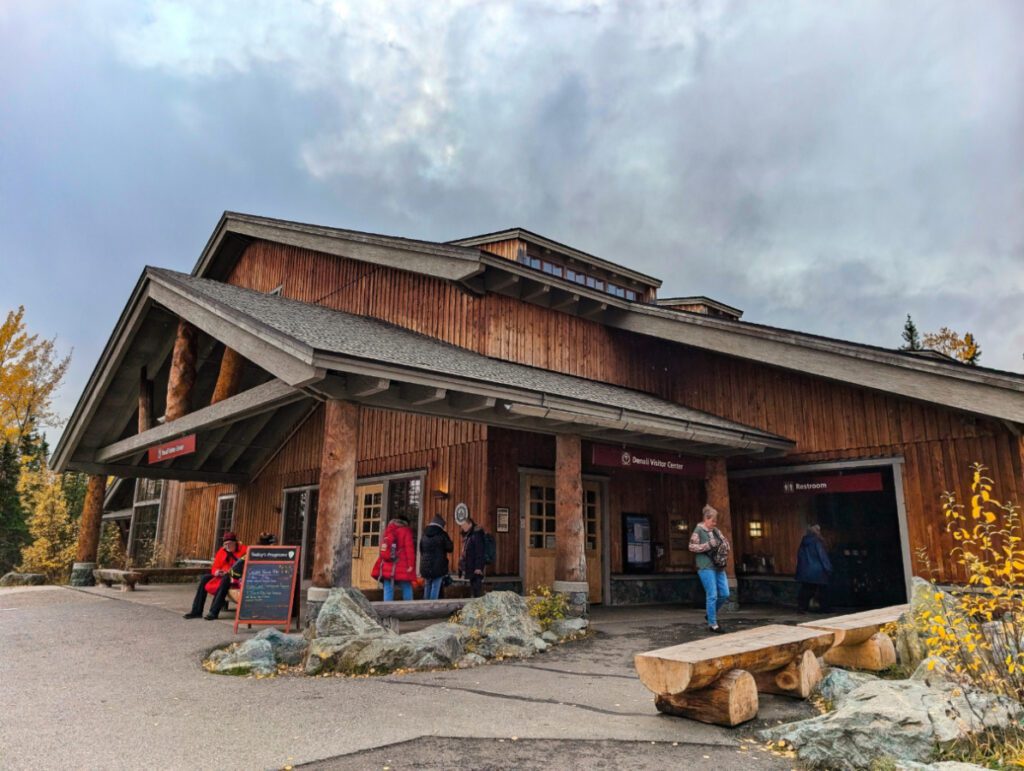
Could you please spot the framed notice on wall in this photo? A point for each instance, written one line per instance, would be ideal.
(501, 521)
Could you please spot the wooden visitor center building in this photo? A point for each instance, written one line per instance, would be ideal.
(314, 382)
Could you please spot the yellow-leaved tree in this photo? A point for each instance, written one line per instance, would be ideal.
(961, 347)
(30, 371)
(52, 549)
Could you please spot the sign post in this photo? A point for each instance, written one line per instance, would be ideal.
(268, 586)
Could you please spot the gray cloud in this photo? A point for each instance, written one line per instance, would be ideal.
(825, 167)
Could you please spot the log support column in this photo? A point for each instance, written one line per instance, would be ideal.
(229, 378)
(89, 532)
(182, 377)
(332, 554)
(716, 486)
(145, 401)
(570, 528)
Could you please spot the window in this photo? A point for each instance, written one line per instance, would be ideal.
(225, 519)
(143, 534)
(576, 276)
(542, 517)
(552, 269)
(369, 504)
(631, 295)
(535, 262)
(148, 489)
(590, 505)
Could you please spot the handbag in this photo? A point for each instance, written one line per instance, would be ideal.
(720, 554)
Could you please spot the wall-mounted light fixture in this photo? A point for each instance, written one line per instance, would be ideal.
(440, 495)
(755, 528)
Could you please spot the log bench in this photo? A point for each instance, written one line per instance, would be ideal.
(126, 578)
(858, 642)
(396, 611)
(717, 679)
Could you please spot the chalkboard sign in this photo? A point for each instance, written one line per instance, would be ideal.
(268, 586)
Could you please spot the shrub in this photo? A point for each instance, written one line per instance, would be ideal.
(111, 553)
(979, 629)
(547, 606)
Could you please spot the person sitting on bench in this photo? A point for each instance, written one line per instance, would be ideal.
(219, 581)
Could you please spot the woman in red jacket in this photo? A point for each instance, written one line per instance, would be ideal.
(397, 561)
(219, 581)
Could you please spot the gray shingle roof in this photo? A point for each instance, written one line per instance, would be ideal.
(328, 331)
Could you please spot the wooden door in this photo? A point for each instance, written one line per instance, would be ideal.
(540, 533)
(366, 538)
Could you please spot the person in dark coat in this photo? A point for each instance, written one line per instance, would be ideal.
(474, 556)
(813, 570)
(435, 546)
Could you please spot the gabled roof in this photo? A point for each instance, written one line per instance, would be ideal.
(546, 243)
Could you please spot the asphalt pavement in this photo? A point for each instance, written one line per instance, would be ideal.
(103, 679)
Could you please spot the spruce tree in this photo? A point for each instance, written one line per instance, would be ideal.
(911, 340)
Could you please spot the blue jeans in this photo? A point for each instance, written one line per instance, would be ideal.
(389, 589)
(432, 587)
(716, 592)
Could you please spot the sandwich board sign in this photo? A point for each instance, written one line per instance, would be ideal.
(268, 586)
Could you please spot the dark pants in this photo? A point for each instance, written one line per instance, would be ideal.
(803, 599)
(476, 586)
(218, 599)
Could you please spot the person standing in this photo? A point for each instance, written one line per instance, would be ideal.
(397, 561)
(712, 550)
(219, 581)
(474, 556)
(435, 546)
(813, 570)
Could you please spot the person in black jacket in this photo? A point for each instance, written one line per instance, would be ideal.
(435, 546)
(474, 556)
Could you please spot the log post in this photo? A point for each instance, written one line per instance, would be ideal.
(230, 375)
(89, 531)
(332, 553)
(145, 401)
(797, 679)
(183, 372)
(729, 700)
(570, 528)
(716, 486)
(873, 655)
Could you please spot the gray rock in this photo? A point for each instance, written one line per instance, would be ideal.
(838, 683)
(499, 620)
(932, 671)
(549, 637)
(288, 649)
(568, 627)
(253, 657)
(946, 765)
(347, 613)
(911, 629)
(540, 645)
(336, 654)
(439, 645)
(22, 579)
(470, 660)
(902, 719)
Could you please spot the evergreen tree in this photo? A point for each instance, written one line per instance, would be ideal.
(13, 528)
(911, 340)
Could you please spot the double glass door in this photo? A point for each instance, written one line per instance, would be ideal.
(299, 527)
(377, 503)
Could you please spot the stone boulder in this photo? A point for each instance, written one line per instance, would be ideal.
(565, 628)
(902, 719)
(288, 649)
(438, 645)
(339, 653)
(946, 765)
(499, 625)
(347, 613)
(910, 630)
(932, 670)
(838, 683)
(22, 579)
(252, 657)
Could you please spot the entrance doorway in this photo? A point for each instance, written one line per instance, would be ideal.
(539, 515)
(298, 526)
(377, 502)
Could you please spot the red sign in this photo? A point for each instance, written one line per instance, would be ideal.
(186, 445)
(810, 485)
(647, 460)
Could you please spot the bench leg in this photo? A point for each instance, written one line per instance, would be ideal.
(873, 655)
(729, 701)
(108, 584)
(797, 679)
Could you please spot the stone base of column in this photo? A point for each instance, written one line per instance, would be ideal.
(81, 574)
(577, 594)
(316, 596)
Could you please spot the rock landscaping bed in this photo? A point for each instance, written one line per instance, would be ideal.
(348, 638)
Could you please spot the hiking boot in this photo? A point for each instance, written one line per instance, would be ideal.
(210, 617)
(192, 615)
(717, 629)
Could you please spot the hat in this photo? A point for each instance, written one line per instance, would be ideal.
(437, 520)
(229, 537)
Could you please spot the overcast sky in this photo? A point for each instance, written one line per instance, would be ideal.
(825, 167)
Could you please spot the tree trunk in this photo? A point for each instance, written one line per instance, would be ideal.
(570, 529)
(716, 486)
(232, 364)
(145, 401)
(873, 655)
(182, 377)
(798, 678)
(92, 519)
(332, 554)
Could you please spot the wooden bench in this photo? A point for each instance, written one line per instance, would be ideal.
(858, 642)
(396, 611)
(126, 578)
(717, 679)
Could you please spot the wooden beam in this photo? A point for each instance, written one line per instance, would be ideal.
(501, 282)
(362, 387)
(570, 529)
(157, 472)
(470, 403)
(536, 294)
(232, 365)
(716, 485)
(246, 433)
(419, 395)
(183, 372)
(252, 402)
(332, 554)
(145, 401)
(210, 443)
(286, 424)
(566, 302)
(590, 309)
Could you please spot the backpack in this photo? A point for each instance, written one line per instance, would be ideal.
(388, 548)
(490, 549)
(720, 554)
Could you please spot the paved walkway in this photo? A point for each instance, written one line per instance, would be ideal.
(100, 678)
